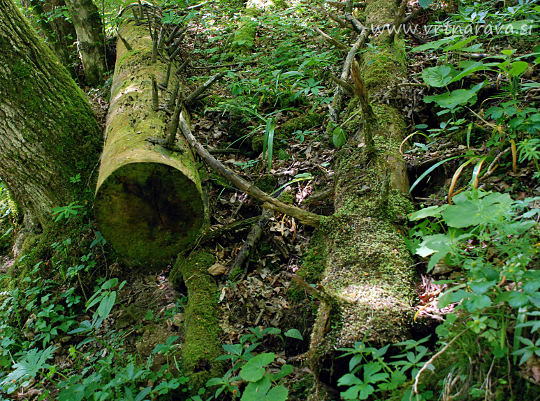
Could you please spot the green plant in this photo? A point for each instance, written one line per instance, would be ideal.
(261, 384)
(66, 212)
(381, 374)
(491, 238)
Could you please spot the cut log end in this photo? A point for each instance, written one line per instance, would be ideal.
(148, 211)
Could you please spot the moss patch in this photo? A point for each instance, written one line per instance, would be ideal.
(148, 212)
(202, 331)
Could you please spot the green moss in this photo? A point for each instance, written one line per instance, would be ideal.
(244, 37)
(302, 123)
(149, 212)
(383, 66)
(202, 331)
(312, 267)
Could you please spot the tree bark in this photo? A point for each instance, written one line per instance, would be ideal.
(149, 200)
(48, 132)
(89, 28)
(59, 32)
(367, 270)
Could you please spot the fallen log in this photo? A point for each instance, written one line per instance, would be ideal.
(366, 268)
(149, 201)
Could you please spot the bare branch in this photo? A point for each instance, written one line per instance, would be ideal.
(268, 201)
(330, 39)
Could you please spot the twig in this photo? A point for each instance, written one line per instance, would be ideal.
(197, 92)
(430, 361)
(347, 87)
(155, 94)
(330, 39)
(165, 83)
(126, 44)
(320, 294)
(337, 102)
(174, 95)
(268, 201)
(399, 17)
(370, 120)
(493, 166)
(251, 240)
(210, 235)
(357, 25)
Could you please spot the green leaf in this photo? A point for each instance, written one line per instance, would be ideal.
(458, 97)
(518, 299)
(339, 137)
(294, 333)
(284, 371)
(278, 393)
(106, 305)
(349, 380)
(268, 144)
(460, 44)
(254, 369)
(434, 45)
(255, 391)
(463, 215)
(477, 303)
(431, 211)
(429, 170)
(438, 76)
(518, 68)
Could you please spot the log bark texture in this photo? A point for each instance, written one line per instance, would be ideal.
(366, 268)
(149, 201)
(89, 28)
(48, 132)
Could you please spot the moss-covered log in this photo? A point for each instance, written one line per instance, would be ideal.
(201, 344)
(367, 269)
(149, 201)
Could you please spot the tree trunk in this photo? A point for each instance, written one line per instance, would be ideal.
(149, 202)
(48, 132)
(59, 32)
(367, 270)
(87, 22)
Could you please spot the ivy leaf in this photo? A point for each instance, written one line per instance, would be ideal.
(254, 369)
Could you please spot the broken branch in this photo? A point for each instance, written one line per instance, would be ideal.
(268, 201)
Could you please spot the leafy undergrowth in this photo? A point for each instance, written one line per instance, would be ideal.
(93, 330)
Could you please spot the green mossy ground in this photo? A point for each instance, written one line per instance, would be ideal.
(202, 330)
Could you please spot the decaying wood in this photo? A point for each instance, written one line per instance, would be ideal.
(367, 267)
(149, 201)
(252, 239)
